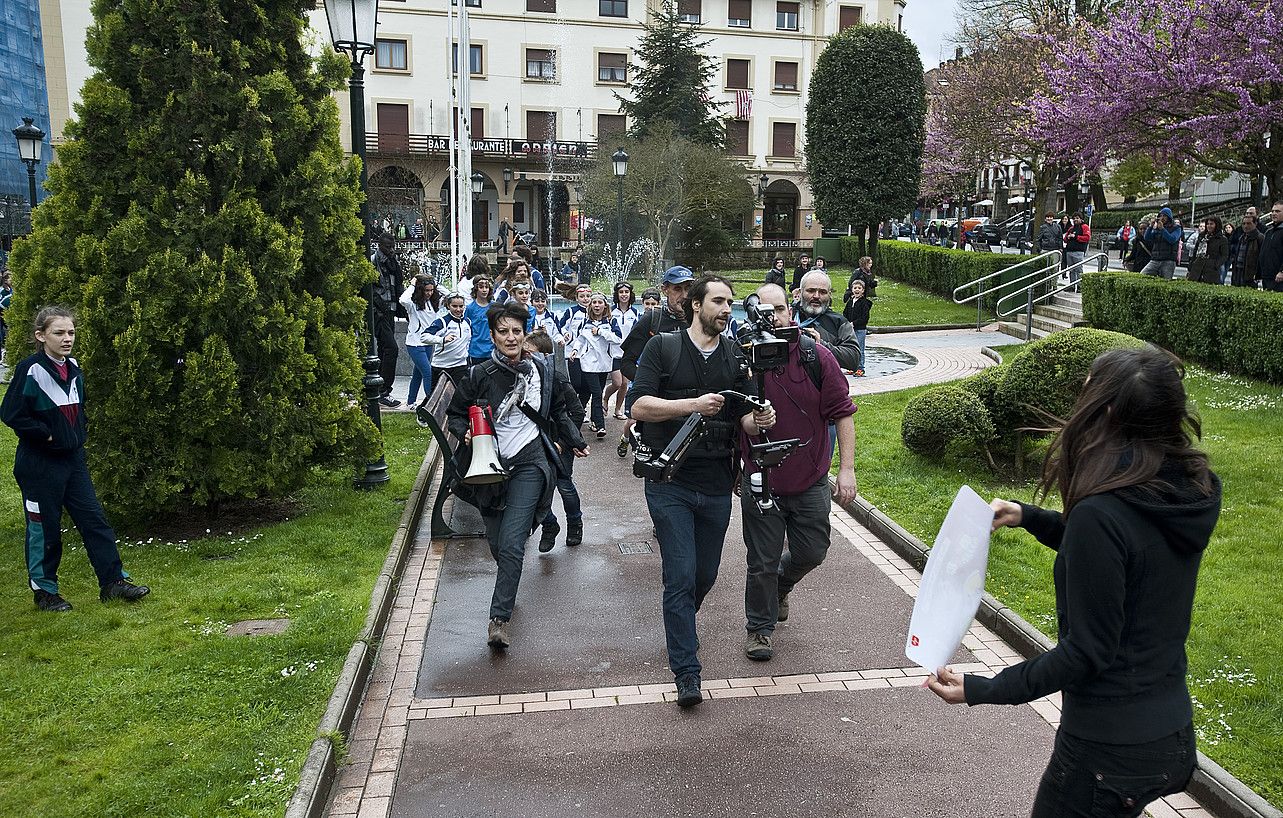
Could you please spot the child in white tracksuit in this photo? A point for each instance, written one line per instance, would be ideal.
(592, 346)
(452, 334)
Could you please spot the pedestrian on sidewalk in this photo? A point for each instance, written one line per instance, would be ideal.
(450, 335)
(530, 417)
(1077, 239)
(817, 318)
(481, 345)
(383, 307)
(1140, 506)
(422, 305)
(592, 348)
(682, 373)
(45, 406)
(667, 316)
(810, 393)
(1050, 236)
(1211, 251)
(623, 315)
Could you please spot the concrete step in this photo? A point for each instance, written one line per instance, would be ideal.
(1042, 322)
(1068, 299)
(1070, 315)
(1017, 330)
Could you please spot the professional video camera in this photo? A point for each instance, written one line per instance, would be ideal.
(766, 345)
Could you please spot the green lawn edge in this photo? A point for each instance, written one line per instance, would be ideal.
(148, 708)
(1235, 639)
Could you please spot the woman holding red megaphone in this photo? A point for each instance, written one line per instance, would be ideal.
(510, 413)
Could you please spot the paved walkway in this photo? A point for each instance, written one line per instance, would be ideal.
(578, 717)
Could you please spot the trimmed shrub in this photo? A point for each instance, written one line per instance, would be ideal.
(945, 418)
(984, 385)
(934, 269)
(1230, 329)
(1050, 373)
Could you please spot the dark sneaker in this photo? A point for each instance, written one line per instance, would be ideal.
(123, 589)
(601, 433)
(389, 402)
(622, 448)
(46, 601)
(758, 647)
(422, 414)
(549, 536)
(782, 612)
(497, 634)
(688, 694)
(574, 532)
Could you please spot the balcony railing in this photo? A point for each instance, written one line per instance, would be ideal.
(389, 144)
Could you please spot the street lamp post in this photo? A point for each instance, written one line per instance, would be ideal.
(620, 161)
(478, 182)
(31, 141)
(352, 26)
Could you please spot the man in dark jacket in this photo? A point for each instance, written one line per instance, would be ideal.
(828, 328)
(1245, 257)
(668, 318)
(1049, 237)
(1271, 257)
(386, 290)
(1162, 238)
(776, 274)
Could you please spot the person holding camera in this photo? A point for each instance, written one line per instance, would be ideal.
(531, 424)
(811, 393)
(1163, 238)
(680, 374)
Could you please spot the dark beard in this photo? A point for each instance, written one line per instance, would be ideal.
(709, 325)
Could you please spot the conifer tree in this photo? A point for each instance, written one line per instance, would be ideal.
(671, 80)
(202, 223)
(865, 127)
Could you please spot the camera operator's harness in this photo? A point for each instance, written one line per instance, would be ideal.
(763, 351)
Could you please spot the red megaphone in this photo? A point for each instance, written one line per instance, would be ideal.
(486, 467)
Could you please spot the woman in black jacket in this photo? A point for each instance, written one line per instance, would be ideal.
(1140, 506)
(1211, 251)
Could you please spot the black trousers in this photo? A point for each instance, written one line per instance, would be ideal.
(1088, 779)
(385, 340)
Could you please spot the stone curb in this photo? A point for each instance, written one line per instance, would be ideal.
(918, 328)
(312, 795)
(1218, 790)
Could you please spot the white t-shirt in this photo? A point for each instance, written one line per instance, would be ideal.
(512, 429)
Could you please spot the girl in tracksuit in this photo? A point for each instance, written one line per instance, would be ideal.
(45, 407)
(451, 334)
(422, 304)
(622, 318)
(592, 346)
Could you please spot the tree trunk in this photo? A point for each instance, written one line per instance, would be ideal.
(1174, 190)
(873, 244)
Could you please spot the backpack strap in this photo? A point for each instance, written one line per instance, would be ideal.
(811, 360)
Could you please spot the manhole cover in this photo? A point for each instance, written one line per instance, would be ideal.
(258, 627)
(627, 548)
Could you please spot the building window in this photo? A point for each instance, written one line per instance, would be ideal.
(784, 139)
(541, 64)
(612, 67)
(786, 16)
(737, 137)
(610, 126)
(689, 11)
(612, 8)
(472, 4)
(739, 13)
(737, 74)
(850, 16)
(785, 76)
(476, 123)
(541, 126)
(519, 212)
(474, 59)
(549, 6)
(394, 55)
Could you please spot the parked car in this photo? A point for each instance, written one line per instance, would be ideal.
(1019, 235)
(990, 234)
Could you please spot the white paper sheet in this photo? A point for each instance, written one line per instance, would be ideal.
(952, 583)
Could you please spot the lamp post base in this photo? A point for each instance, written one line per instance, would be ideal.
(376, 472)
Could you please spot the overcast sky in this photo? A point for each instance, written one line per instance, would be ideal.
(929, 24)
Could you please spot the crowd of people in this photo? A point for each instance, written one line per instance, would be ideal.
(1249, 254)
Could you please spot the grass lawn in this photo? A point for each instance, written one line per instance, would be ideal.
(148, 709)
(1236, 641)
(897, 305)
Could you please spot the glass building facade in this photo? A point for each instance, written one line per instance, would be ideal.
(23, 91)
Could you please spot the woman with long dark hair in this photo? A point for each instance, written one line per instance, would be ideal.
(622, 317)
(1140, 506)
(422, 303)
(1211, 252)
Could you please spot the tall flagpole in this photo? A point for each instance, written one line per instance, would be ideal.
(464, 185)
(452, 120)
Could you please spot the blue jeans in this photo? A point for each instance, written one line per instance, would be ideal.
(507, 533)
(859, 339)
(422, 357)
(569, 494)
(691, 528)
(595, 383)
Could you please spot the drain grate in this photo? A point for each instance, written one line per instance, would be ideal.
(629, 548)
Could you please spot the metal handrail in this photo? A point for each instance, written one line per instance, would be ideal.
(1102, 260)
(978, 297)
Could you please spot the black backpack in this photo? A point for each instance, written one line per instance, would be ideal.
(670, 353)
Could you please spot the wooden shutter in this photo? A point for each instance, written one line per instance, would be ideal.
(739, 9)
(394, 126)
(609, 126)
(541, 126)
(478, 123)
(737, 137)
(549, 6)
(786, 76)
(849, 16)
(690, 8)
(619, 62)
(784, 139)
(737, 73)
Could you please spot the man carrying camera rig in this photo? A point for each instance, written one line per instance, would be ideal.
(809, 392)
(680, 374)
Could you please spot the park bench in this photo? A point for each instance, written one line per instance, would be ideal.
(438, 403)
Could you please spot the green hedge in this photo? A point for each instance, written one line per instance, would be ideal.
(1229, 329)
(934, 269)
